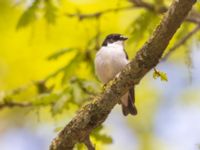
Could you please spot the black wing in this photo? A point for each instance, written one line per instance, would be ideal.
(126, 54)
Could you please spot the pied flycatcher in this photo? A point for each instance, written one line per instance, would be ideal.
(110, 60)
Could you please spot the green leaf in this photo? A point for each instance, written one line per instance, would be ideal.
(60, 53)
(98, 129)
(45, 99)
(60, 104)
(159, 2)
(103, 138)
(2, 95)
(161, 75)
(58, 129)
(70, 68)
(142, 26)
(185, 28)
(28, 16)
(197, 7)
(80, 146)
(50, 12)
(77, 93)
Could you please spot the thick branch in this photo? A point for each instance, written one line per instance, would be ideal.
(95, 113)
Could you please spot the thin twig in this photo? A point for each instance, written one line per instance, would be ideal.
(14, 104)
(193, 16)
(181, 42)
(88, 143)
(97, 14)
(137, 4)
(148, 6)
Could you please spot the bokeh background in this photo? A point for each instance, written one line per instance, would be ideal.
(47, 48)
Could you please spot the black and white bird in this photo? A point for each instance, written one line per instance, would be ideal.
(110, 60)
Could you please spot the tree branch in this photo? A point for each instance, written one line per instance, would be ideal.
(95, 113)
(149, 6)
(14, 104)
(193, 17)
(181, 42)
(88, 143)
(97, 14)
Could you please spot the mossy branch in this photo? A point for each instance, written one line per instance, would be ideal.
(95, 113)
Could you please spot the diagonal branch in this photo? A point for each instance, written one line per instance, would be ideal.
(181, 42)
(88, 143)
(95, 113)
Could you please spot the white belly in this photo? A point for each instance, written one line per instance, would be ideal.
(109, 62)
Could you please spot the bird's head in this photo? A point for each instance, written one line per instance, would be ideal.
(114, 38)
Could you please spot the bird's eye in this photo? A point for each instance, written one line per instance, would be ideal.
(112, 40)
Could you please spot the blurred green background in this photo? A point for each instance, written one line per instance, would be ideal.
(47, 48)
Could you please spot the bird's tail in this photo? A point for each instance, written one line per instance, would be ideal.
(130, 108)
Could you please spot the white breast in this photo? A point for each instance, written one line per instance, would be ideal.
(109, 61)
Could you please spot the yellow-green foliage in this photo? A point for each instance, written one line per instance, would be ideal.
(47, 53)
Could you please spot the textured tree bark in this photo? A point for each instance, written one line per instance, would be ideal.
(95, 113)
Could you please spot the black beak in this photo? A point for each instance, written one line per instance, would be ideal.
(123, 38)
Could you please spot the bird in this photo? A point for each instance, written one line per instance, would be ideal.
(110, 59)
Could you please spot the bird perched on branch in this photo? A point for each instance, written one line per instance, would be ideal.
(110, 60)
